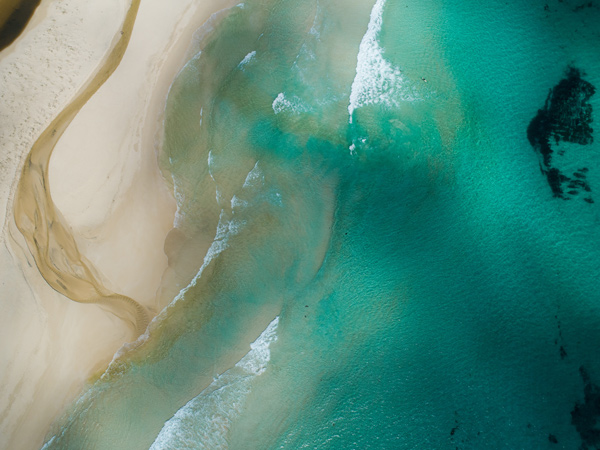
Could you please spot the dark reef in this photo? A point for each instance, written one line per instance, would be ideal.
(583, 6)
(566, 116)
(585, 416)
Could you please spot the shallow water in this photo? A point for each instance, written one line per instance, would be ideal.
(362, 173)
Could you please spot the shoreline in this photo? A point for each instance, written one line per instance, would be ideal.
(53, 345)
(120, 198)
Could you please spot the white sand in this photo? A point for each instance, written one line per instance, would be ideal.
(117, 195)
(105, 180)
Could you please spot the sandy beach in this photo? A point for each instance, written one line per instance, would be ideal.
(105, 182)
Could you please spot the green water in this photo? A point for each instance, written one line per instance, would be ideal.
(356, 179)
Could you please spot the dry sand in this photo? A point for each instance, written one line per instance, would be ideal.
(103, 177)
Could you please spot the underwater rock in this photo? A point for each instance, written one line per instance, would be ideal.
(585, 416)
(566, 116)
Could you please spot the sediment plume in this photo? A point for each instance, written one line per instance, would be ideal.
(45, 230)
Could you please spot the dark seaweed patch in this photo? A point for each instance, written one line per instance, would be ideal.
(562, 352)
(585, 416)
(566, 116)
(456, 424)
(583, 6)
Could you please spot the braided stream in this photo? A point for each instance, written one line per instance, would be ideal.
(44, 228)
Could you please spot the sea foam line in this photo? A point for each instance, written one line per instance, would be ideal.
(249, 57)
(227, 227)
(204, 422)
(376, 80)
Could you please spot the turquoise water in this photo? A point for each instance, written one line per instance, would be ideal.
(369, 253)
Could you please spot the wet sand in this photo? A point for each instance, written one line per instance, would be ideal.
(51, 345)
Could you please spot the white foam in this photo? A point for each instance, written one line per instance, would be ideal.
(237, 203)
(317, 23)
(249, 57)
(254, 177)
(376, 80)
(275, 198)
(211, 168)
(306, 52)
(179, 200)
(204, 422)
(228, 225)
(294, 105)
(226, 228)
(256, 360)
(211, 163)
(49, 443)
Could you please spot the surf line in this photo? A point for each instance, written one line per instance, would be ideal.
(42, 225)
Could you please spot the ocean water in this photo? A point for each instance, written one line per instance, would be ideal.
(374, 249)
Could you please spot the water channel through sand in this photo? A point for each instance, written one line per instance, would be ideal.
(46, 232)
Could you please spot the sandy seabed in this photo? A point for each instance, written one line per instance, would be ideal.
(104, 179)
